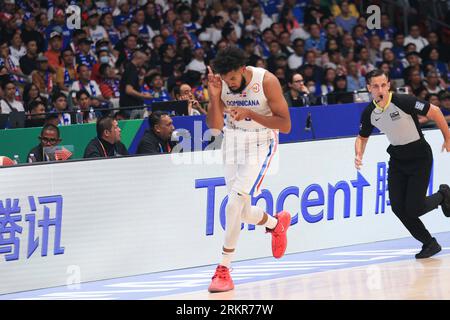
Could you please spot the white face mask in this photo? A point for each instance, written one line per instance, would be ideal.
(104, 59)
(312, 89)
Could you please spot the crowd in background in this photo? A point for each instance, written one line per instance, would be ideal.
(320, 50)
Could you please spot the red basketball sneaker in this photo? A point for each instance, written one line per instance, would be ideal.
(279, 239)
(221, 281)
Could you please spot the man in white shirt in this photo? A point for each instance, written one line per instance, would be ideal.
(414, 37)
(260, 19)
(295, 60)
(84, 82)
(198, 63)
(9, 103)
(96, 32)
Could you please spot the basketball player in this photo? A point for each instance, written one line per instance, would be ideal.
(411, 158)
(255, 109)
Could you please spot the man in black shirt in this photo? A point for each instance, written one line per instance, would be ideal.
(49, 137)
(157, 139)
(130, 95)
(411, 158)
(28, 61)
(107, 143)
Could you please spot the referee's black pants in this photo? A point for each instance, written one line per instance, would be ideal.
(408, 178)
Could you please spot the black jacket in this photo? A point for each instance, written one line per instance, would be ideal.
(38, 154)
(152, 144)
(97, 148)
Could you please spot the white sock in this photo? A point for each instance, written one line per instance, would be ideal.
(271, 222)
(226, 259)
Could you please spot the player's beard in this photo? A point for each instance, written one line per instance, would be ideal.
(241, 87)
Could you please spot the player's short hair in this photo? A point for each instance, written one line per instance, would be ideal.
(375, 73)
(229, 59)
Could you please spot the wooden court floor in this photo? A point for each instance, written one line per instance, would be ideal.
(427, 279)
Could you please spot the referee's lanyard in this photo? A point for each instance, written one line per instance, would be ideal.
(104, 150)
(169, 149)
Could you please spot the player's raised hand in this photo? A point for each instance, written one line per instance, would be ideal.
(214, 84)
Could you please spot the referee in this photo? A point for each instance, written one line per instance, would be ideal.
(411, 156)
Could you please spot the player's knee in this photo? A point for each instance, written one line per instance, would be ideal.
(235, 204)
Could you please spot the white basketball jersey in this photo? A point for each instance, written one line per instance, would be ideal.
(252, 97)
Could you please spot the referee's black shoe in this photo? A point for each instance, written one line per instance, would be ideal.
(429, 249)
(444, 189)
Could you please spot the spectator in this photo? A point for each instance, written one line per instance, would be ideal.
(94, 30)
(28, 61)
(433, 59)
(29, 32)
(354, 79)
(180, 31)
(49, 138)
(10, 62)
(248, 45)
(130, 95)
(146, 32)
(298, 94)
(154, 85)
(157, 139)
(434, 43)
(36, 118)
(184, 49)
(328, 81)
(229, 35)
(216, 30)
(432, 83)
(65, 75)
(185, 93)
(415, 82)
(109, 84)
(387, 31)
(60, 106)
(198, 61)
(167, 60)
(234, 21)
(84, 104)
(84, 56)
(107, 23)
(296, 59)
(444, 99)
(415, 37)
(345, 20)
(9, 103)
(399, 46)
(58, 23)
(374, 50)
(107, 143)
(84, 82)
(364, 65)
(340, 94)
(31, 93)
(54, 52)
(316, 41)
(16, 48)
(264, 46)
(186, 16)
(288, 20)
(395, 66)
